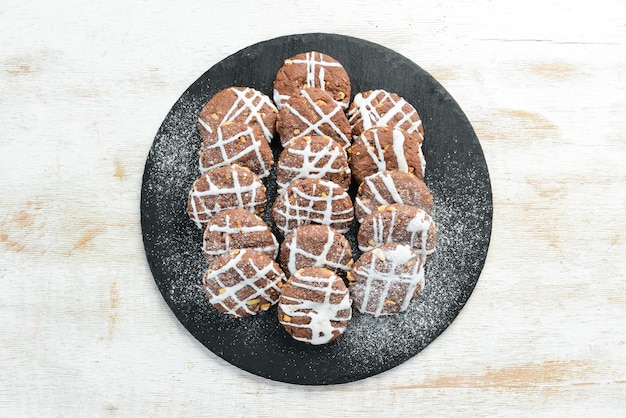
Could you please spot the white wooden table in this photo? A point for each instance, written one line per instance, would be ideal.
(83, 89)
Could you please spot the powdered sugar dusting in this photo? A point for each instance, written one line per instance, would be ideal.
(450, 276)
(369, 343)
(456, 176)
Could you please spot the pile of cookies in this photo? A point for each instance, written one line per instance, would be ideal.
(328, 144)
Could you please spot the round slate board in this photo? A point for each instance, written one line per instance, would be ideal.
(456, 174)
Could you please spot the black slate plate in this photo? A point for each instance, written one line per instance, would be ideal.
(456, 173)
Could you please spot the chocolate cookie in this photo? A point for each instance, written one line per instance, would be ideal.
(385, 148)
(385, 280)
(313, 157)
(236, 143)
(237, 228)
(399, 223)
(312, 112)
(225, 188)
(387, 187)
(243, 282)
(239, 104)
(308, 201)
(381, 108)
(312, 69)
(315, 306)
(315, 246)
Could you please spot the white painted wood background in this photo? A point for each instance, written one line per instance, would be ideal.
(85, 85)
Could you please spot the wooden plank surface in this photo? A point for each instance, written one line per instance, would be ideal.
(83, 89)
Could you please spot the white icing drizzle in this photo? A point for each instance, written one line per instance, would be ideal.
(313, 128)
(417, 228)
(371, 141)
(322, 314)
(367, 112)
(279, 99)
(375, 150)
(377, 284)
(315, 75)
(230, 228)
(221, 143)
(399, 255)
(422, 160)
(321, 259)
(301, 215)
(230, 292)
(389, 186)
(311, 167)
(248, 100)
(199, 198)
(205, 125)
(398, 150)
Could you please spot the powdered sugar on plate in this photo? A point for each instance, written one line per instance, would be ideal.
(456, 175)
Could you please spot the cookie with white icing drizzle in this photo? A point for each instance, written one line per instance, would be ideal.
(385, 148)
(243, 282)
(315, 246)
(312, 69)
(399, 223)
(315, 306)
(387, 187)
(313, 157)
(236, 143)
(237, 228)
(385, 280)
(381, 108)
(308, 201)
(225, 188)
(239, 104)
(312, 111)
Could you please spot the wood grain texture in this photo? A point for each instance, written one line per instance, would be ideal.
(82, 93)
